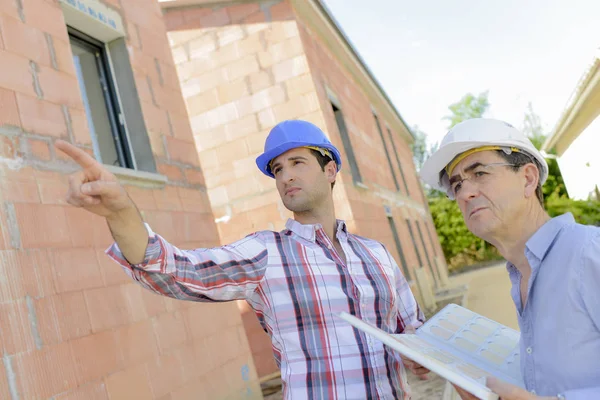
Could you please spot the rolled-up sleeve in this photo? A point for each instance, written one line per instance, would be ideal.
(409, 312)
(225, 273)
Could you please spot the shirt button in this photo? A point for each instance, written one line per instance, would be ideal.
(533, 392)
(529, 350)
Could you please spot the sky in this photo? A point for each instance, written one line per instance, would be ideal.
(428, 54)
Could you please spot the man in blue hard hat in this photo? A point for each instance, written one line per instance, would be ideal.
(298, 280)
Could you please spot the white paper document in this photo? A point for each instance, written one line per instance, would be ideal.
(460, 346)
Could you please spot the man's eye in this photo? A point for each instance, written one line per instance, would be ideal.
(456, 187)
(276, 170)
(480, 173)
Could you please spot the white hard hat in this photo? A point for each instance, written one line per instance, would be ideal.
(473, 134)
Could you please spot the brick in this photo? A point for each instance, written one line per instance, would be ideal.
(202, 47)
(193, 200)
(194, 177)
(95, 356)
(180, 124)
(256, 22)
(63, 55)
(214, 19)
(112, 273)
(16, 73)
(259, 81)
(106, 307)
(92, 391)
(154, 303)
(299, 85)
(85, 276)
(282, 11)
(267, 98)
(173, 19)
(10, 112)
(171, 331)
(201, 83)
(290, 68)
(52, 218)
(16, 334)
(281, 30)
(142, 197)
(203, 102)
(62, 317)
(229, 34)
(40, 149)
(167, 199)
(4, 388)
(20, 191)
(172, 172)
(129, 384)
(25, 40)
(182, 151)
(164, 375)
(81, 224)
(230, 91)
(60, 87)
(48, 17)
(155, 119)
(240, 11)
(137, 343)
(9, 8)
(201, 389)
(241, 68)
(211, 119)
(13, 284)
(79, 125)
(46, 372)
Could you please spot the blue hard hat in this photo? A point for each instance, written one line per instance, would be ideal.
(292, 134)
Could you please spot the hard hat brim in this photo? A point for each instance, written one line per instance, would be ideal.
(262, 161)
(430, 172)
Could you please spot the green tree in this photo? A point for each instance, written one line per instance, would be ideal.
(469, 106)
(419, 147)
(532, 127)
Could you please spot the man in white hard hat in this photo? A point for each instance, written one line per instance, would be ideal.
(495, 175)
(298, 280)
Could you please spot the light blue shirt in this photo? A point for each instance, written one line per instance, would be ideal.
(560, 325)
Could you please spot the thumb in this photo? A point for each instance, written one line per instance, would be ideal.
(409, 329)
(102, 188)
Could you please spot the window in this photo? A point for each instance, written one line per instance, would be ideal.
(399, 248)
(104, 117)
(387, 153)
(341, 124)
(398, 161)
(435, 277)
(412, 236)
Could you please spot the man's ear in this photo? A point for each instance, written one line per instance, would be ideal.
(532, 178)
(331, 171)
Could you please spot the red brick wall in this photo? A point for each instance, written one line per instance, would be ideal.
(367, 207)
(242, 69)
(72, 324)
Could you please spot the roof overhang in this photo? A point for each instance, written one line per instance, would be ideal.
(316, 15)
(582, 109)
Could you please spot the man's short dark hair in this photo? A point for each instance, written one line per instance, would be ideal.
(323, 161)
(520, 159)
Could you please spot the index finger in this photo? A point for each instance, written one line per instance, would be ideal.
(79, 156)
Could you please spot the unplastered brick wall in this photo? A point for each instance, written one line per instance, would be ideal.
(242, 69)
(72, 325)
(332, 78)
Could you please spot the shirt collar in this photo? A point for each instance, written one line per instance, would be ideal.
(542, 240)
(309, 231)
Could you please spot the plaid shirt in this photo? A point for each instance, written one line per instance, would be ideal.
(297, 285)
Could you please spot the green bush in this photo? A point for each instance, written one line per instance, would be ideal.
(462, 248)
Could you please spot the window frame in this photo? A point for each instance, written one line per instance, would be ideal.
(119, 136)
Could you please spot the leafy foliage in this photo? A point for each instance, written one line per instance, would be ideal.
(469, 106)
